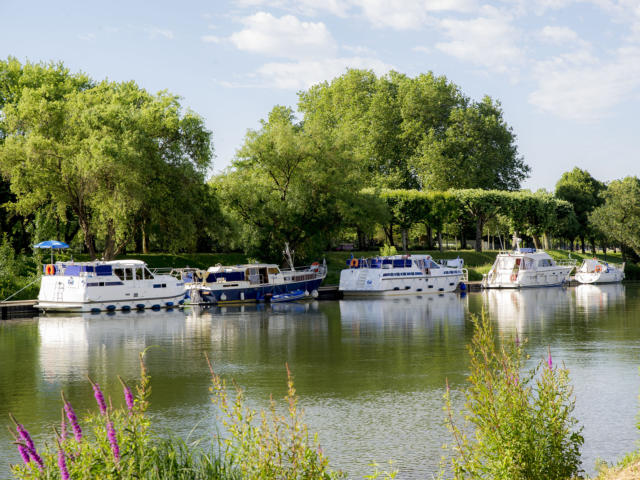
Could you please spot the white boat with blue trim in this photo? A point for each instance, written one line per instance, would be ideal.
(107, 286)
(398, 275)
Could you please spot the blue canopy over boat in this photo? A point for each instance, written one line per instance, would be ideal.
(51, 244)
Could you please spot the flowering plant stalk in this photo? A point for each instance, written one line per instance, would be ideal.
(514, 425)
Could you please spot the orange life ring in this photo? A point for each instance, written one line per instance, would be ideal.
(50, 269)
(354, 263)
(514, 277)
(598, 268)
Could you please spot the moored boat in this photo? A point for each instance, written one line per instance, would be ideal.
(527, 267)
(254, 282)
(398, 275)
(106, 286)
(598, 271)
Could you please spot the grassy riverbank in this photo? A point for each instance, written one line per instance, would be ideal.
(24, 270)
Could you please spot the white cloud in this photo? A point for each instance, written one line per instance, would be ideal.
(211, 39)
(87, 37)
(409, 14)
(422, 49)
(339, 8)
(558, 35)
(284, 37)
(155, 32)
(584, 88)
(489, 41)
(303, 74)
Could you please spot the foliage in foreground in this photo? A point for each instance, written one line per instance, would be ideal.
(516, 426)
(120, 443)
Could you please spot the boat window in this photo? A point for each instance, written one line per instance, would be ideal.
(147, 274)
(273, 271)
(119, 272)
(545, 262)
(128, 274)
(506, 263)
(431, 264)
(138, 274)
(528, 264)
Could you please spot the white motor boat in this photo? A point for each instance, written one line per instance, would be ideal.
(527, 267)
(599, 271)
(398, 275)
(106, 286)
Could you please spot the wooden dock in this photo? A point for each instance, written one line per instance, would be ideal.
(18, 309)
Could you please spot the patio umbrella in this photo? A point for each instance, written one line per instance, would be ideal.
(52, 244)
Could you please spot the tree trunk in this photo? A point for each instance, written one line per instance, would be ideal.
(405, 240)
(429, 237)
(440, 247)
(582, 244)
(89, 241)
(479, 226)
(536, 241)
(388, 231)
(145, 246)
(546, 241)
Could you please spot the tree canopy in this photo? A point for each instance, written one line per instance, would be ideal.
(112, 153)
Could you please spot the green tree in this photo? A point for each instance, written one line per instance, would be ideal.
(111, 153)
(482, 206)
(476, 150)
(583, 191)
(618, 218)
(287, 186)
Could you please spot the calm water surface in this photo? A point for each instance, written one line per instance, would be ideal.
(370, 373)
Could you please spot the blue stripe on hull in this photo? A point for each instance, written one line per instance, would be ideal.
(256, 294)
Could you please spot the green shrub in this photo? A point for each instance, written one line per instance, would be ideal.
(516, 426)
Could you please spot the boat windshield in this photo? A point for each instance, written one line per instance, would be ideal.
(506, 263)
(545, 262)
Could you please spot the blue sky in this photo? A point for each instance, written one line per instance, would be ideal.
(566, 71)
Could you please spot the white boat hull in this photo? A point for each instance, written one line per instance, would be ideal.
(602, 277)
(543, 277)
(352, 283)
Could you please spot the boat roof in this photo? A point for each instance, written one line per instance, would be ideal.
(232, 268)
(125, 262)
(528, 252)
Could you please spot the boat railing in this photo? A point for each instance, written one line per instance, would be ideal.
(570, 262)
(465, 275)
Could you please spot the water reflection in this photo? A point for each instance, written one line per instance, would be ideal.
(597, 298)
(525, 310)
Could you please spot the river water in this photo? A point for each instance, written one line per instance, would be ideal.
(370, 373)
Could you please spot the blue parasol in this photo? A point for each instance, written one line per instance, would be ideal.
(52, 244)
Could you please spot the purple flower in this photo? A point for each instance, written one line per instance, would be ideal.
(73, 420)
(24, 453)
(113, 441)
(549, 360)
(24, 435)
(62, 464)
(128, 395)
(99, 397)
(517, 339)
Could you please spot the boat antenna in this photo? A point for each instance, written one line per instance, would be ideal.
(288, 255)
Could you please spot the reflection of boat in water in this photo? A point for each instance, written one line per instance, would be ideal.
(69, 343)
(517, 308)
(409, 309)
(599, 297)
(593, 270)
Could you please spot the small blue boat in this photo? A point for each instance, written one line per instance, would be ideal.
(288, 297)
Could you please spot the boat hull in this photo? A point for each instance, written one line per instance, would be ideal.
(549, 277)
(112, 305)
(253, 294)
(368, 283)
(599, 278)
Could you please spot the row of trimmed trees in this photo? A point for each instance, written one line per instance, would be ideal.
(538, 215)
